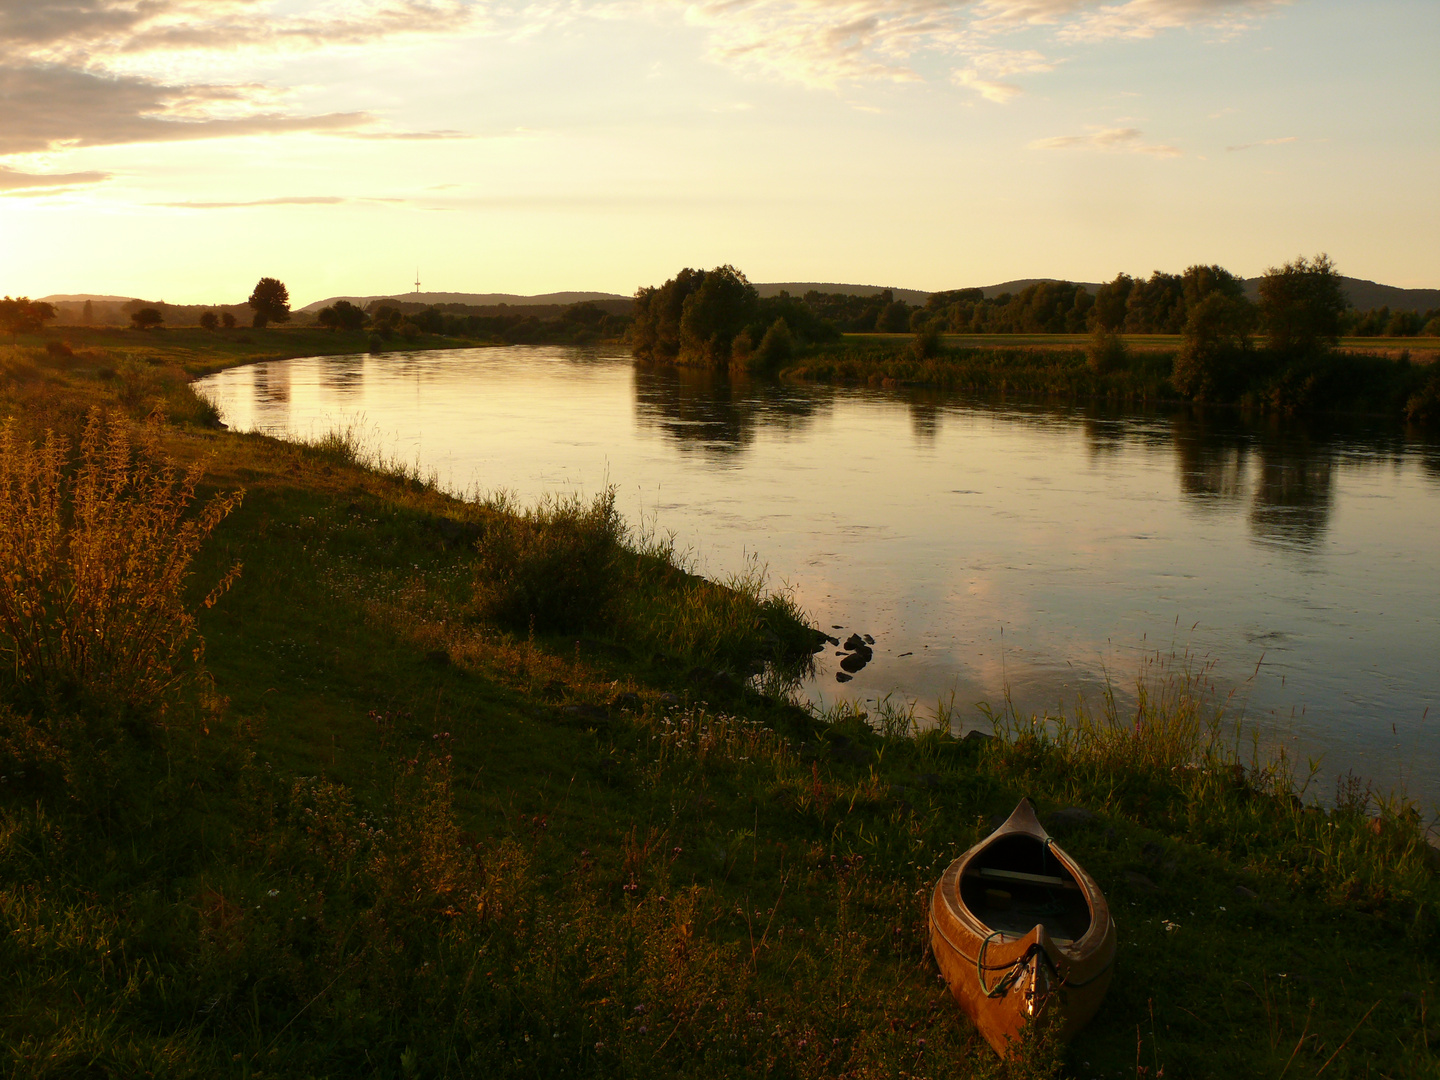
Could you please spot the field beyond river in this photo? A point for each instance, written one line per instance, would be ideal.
(497, 787)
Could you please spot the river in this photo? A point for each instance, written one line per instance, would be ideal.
(986, 546)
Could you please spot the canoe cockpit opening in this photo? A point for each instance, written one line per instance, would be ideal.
(1017, 883)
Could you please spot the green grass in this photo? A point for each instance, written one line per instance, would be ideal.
(387, 836)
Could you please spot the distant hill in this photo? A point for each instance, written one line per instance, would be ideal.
(80, 298)
(471, 299)
(1363, 295)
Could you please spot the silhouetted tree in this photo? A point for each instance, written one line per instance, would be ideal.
(713, 314)
(1301, 306)
(271, 302)
(227, 320)
(145, 318)
(342, 315)
(87, 314)
(23, 315)
(210, 321)
(1110, 301)
(1216, 339)
(894, 318)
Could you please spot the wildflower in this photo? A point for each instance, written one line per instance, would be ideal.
(273, 892)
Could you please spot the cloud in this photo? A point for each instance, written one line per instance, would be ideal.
(988, 68)
(98, 72)
(1127, 140)
(1147, 18)
(15, 180)
(283, 200)
(55, 107)
(826, 43)
(91, 72)
(82, 32)
(1263, 142)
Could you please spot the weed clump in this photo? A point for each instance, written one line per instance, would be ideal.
(553, 568)
(94, 562)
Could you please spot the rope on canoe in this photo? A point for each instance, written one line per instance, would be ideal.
(1008, 979)
(1011, 969)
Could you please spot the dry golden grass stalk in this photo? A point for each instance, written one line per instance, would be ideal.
(94, 560)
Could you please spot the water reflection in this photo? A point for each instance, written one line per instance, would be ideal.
(272, 383)
(925, 414)
(1294, 493)
(712, 412)
(344, 378)
(988, 547)
(1212, 469)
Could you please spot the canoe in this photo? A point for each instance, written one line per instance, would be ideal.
(1022, 934)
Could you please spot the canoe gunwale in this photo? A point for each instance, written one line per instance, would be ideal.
(1063, 977)
(1011, 965)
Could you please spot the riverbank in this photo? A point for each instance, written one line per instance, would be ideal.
(197, 351)
(399, 829)
(1379, 382)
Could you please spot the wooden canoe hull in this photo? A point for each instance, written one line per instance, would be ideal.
(1028, 978)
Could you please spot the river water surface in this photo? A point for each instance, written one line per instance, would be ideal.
(984, 545)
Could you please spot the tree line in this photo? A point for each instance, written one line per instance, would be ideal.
(1159, 304)
(715, 318)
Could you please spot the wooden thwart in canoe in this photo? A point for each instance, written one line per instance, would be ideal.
(1021, 931)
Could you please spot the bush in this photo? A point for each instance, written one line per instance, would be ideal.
(925, 345)
(1424, 405)
(776, 347)
(1106, 351)
(554, 568)
(94, 562)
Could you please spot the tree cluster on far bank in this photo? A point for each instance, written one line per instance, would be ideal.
(1160, 304)
(715, 318)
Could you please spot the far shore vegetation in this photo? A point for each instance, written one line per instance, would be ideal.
(309, 769)
(1194, 337)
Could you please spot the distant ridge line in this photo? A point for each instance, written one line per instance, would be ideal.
(471, 299)
(1362, 294)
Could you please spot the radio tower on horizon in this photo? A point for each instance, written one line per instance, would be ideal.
(417, 279)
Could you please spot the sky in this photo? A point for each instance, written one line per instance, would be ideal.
(177, 150)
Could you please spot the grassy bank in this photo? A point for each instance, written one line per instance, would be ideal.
(478, 790)
(1382, 382)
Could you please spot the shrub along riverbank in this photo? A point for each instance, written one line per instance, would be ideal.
(460, 789)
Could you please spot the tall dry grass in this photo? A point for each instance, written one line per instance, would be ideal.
(95, 557)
